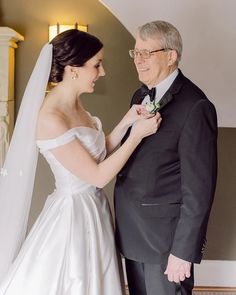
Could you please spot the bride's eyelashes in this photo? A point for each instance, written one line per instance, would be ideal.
(97, 65)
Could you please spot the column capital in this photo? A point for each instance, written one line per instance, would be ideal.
(8, 43)
(9, 37)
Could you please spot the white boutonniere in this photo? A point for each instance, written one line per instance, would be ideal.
(153, 107)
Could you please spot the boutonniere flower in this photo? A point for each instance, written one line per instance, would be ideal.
(152, 107)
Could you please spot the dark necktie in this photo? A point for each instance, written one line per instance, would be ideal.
(151, 92)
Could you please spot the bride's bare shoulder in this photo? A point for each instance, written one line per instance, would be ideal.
(51, 123)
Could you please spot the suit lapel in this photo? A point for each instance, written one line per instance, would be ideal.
(165, 100)
(174, 88)
(137, 97)
(167, 97)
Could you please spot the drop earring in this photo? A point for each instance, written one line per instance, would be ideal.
(74, 76)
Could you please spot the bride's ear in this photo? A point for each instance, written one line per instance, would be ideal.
(71, 72)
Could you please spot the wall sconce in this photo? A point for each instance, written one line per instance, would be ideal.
(54, 30)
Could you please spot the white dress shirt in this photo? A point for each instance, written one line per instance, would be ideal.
(162, 87)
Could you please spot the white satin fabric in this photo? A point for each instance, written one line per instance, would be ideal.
(70, 250)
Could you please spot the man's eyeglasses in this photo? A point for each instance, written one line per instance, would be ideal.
(144, 53)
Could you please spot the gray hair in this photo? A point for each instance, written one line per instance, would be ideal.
(166, 33)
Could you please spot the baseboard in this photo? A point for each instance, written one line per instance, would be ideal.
(214, 289)
(204, 290)
(213, 275)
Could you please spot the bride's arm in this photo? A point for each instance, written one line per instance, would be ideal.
(135, 113)
(75, 158)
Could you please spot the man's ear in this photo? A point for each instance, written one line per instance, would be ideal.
(172, 57)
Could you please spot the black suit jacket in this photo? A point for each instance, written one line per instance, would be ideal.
(164, 193)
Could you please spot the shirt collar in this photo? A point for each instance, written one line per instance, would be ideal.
(162, 87)
(165, 84)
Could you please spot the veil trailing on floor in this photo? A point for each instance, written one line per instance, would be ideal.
(18, 173)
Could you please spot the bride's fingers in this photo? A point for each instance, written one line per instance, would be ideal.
(140, 109)
(159, 123)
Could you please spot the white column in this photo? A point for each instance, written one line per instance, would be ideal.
(8, 43)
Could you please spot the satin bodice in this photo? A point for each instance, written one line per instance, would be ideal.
(94, 142)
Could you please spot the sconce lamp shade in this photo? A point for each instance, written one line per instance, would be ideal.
(54, 30)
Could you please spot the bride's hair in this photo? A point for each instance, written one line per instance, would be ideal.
(74, 48)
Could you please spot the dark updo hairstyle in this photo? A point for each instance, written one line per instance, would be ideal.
(73, 48)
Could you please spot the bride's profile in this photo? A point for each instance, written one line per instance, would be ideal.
(70, 249)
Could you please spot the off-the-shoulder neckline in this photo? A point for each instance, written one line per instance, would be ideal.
(98, 129)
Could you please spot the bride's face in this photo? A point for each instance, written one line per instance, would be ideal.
(90, 73)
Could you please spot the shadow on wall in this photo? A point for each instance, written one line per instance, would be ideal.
(1, 17)
(221, 232)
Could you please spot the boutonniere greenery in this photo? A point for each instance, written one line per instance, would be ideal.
(153, 107)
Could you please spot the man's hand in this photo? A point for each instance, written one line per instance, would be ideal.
(177, 269)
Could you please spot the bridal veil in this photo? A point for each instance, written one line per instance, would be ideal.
(18, 173)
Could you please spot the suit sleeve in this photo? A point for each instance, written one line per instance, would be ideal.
(135, 100)
(198, 164)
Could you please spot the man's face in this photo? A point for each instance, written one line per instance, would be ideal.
(156, 68)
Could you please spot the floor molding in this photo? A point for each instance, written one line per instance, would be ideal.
(205, 290)
(214, 289)
(213, 276)
(216, 273)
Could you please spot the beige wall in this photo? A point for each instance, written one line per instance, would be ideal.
(222, 226)
(112, 94)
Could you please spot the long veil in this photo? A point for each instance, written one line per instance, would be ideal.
(18, 173)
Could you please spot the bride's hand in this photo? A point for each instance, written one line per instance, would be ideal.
(145, 127)
(135, 113)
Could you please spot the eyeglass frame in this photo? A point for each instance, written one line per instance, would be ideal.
(131, 52)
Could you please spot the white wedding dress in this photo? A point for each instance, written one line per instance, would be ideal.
(70, 249)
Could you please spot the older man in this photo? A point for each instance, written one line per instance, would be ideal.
(164, 194)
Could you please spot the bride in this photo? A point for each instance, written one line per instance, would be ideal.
(70, 249)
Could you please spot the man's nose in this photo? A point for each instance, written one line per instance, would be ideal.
(138, 58)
